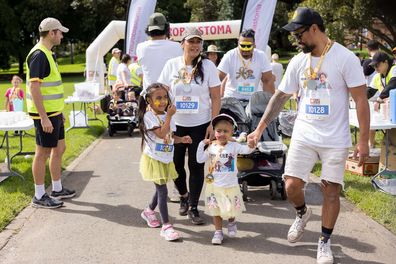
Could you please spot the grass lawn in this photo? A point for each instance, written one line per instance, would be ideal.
(16, 194)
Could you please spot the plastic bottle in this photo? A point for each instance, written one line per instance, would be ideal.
(392, 106)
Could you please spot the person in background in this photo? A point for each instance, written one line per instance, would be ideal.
(14, 95)
(321, 130)
(45, 102)
(385, 79)
(113, 65)
(123, 73)
(245, 67)
(212, 53)
(155, 52)
(394, 55)
(136, 72)
(277, 69)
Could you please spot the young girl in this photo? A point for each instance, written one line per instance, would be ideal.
(14, 95)
(222, 195)
(156, 163)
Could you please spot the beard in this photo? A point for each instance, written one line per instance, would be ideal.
(307, 48)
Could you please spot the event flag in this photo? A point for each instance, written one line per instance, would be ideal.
(139, 12)
(258, 15)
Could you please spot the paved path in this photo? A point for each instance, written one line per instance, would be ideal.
(103, 225)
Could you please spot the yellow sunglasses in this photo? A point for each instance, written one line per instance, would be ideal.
(246, 46)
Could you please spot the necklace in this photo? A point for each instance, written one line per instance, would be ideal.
(245, 65)
(188, 77)
(310, 81)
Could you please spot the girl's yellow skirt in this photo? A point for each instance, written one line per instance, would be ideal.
(224, 202)
(157, 171)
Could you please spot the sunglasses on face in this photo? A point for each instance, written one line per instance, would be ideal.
(299, 35)
(246, 46)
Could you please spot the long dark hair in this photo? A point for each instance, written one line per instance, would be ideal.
(143, 107)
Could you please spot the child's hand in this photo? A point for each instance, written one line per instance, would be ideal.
(186, 140)
(171, 110)
(206, 141)
(251, 143)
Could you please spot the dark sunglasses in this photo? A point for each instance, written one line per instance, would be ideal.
(298, 36)
(245, 46)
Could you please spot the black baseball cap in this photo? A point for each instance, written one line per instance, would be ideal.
(225, 117)
(379, 57)
(303, 16)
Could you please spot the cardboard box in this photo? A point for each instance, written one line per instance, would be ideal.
(391, 158)
(369, 168)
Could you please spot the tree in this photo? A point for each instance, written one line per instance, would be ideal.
(354, 16)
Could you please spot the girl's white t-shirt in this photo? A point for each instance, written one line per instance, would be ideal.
(329, 102)
(155, 147)
(122, 67)
(225, 170)
(192, 101)
(243, 81)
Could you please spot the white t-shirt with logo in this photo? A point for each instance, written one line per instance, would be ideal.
(155, 147)
(192, 101)
(152, 56)
(242, 82)
(225, 168)
(323, 117)
(122, 67)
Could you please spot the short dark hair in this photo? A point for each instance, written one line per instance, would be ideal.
(372, 45)
(157, 32)
(248, 33)
(322, 28)
(43, 33)
(125, 58)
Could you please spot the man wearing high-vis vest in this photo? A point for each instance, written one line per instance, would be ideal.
(113, 65)
(45, 102)
(136, 72)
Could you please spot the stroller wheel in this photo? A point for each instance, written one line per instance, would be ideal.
(283, 191)
(244, 189)
(273, 190)
(110, 131)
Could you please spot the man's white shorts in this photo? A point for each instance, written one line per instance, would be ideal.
(301, 158)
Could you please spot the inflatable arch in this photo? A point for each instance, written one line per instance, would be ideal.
(115, 31)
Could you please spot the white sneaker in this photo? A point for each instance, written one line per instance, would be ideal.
(324, 254)
(232, 229)
(175, 196)
(169, 233)
(217, 238)
(296, 231)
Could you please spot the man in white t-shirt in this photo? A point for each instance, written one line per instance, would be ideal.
(321, 130)
(153, 53)
(245, 67)
(277, 69)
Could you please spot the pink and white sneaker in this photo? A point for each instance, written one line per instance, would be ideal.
(169, 233)
(149, 216)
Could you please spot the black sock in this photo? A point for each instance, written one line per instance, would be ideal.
(301, 210)
(326, 233)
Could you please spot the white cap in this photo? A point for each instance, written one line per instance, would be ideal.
(116, 50)
(51, 23)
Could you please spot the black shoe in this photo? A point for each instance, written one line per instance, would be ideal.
(46, 202)
(183, 205)
(63, 194)
(193, 214)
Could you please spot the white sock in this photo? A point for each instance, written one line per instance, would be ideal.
(57, 186)
(39, 191)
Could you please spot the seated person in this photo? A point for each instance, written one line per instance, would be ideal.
(116, 105)
(130, 105)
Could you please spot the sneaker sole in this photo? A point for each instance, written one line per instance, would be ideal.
(148, 222)
(217, 242)
(45, 207)
(63, 196)
(169, 239)
(309, 212)
(194, 222)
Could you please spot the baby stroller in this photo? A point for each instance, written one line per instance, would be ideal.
(264, 166)
(126, 119)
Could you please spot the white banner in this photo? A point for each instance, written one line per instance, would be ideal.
(258, 16)
(139, 12)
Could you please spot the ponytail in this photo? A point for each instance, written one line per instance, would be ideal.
(141, 112)
(199, 74)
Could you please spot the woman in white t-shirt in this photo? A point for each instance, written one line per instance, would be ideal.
(195, 87)
(123, 72)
